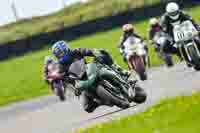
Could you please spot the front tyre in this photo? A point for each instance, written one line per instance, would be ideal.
(61, 94)
(111, 98)
(197, 68)
(140, 95)
(195, 58)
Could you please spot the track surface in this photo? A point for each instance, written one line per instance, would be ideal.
(48, 115)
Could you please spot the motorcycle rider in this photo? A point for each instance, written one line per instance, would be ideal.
(154, 33)
(154, 28)
(128, 31)
(66, 57)
(172, 17)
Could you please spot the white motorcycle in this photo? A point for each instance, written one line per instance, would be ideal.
(136, 56)
(187, 41)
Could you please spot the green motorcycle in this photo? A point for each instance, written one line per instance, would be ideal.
(106, 85)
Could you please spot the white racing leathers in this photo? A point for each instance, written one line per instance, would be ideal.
(134, 46)
(135, 53)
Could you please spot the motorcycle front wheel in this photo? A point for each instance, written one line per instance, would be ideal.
(140, 95)
(105, 95)
(195, 58)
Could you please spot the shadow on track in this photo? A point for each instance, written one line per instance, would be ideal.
(104, 115)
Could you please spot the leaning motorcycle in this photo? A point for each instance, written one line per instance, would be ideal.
(57, 82)
(136, 56)
(187, 41)
(159, 39)
(104, 91)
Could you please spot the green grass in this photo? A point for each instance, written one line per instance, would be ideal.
(177, 115)
(21, 77)
(73, 15)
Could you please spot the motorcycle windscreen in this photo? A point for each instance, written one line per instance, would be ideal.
(184, 31)
(78, 68)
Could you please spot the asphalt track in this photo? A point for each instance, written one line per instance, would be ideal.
(48, 115)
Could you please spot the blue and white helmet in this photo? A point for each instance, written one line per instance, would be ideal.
(60, 48)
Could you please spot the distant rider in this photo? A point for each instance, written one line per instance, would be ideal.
(155, 31)
(172, 17)
(128, 31)
(154, 28)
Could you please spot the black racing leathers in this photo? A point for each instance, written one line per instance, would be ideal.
(167, 24)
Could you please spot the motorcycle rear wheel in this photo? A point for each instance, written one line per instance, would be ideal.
(140, 68)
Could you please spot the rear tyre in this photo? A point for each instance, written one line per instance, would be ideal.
(140, 95)
(59, 91)
(140, 68)
(61, 95)
(107, 96)
(143, 76)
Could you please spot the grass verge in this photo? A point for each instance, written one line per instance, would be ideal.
(177, 115)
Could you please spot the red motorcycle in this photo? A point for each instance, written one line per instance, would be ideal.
(56, 81)
(136, 56)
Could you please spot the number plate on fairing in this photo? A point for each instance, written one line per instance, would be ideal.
(184, 31)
